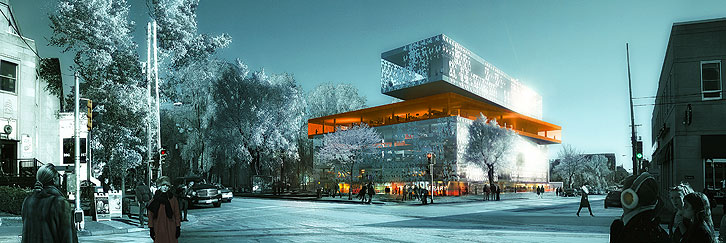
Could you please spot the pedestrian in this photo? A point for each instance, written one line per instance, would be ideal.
(337, 190)
(679, 225)
(106, 185)
(143, 196)
(638, 222)
(362, 193)
(424, 198)
(538, 193)
(487, 190)
(499, 190)
(405, 192)
(584, 201)
(47, 215)
(185, 200)
(164, 220)
(697, 208)
(371, 192)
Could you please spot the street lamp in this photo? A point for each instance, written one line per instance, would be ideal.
(432, 160)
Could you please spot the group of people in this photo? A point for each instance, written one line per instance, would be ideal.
(540, 190)
(57, 223)
(366, 191)
(692, 222)
(491, 192)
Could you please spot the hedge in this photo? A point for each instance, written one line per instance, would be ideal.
(11, 199)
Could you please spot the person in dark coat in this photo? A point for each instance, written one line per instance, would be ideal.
(143, 196)
(487, 191)
(638, 222)
(371, 192)
(697, 208)
(47, 215)
(164, 217)
(584, 202)
(679, 224)
(498, 190)
(362, 193)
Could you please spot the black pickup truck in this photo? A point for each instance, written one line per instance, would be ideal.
(202, 192)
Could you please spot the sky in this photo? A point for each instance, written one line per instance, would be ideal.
(571, 52)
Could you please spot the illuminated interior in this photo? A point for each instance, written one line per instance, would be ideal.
(437, 106)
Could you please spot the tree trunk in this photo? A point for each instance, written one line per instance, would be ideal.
(123, 191)
(350, 182)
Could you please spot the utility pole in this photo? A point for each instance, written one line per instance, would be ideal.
(148, 100)
(76, 134)
(632, 115)
(158, 114)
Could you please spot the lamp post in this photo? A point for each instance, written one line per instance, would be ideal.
(432, 160)
(78, 214)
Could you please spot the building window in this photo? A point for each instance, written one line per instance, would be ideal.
(711, 80)
(8, 76)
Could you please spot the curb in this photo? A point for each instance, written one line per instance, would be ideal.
(315, 200)
(10, 220)
(110, 232)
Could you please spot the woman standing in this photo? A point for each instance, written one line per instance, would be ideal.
(164, 222)
(584, 202)
(697, 208)
(679, 226)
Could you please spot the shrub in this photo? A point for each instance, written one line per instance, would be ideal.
(11, 199)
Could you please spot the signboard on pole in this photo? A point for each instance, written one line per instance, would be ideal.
(114, 201)
(102, 207)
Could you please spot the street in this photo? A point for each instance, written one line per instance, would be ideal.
(246, 219)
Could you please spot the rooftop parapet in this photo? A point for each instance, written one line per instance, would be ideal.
(439, 65)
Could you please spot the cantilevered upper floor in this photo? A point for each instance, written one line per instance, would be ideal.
(436, 106)
(439, 65)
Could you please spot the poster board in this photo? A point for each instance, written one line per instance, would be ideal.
(114, 201)
(102, 207)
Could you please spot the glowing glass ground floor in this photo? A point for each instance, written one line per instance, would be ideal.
(400, 161)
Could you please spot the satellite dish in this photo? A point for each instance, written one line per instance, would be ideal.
(8, 129)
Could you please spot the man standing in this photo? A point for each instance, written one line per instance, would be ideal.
(371, 192)
(337, 190)
(185, 198)
(47, 215)
(143, 196)
(638, 222)
(584, 202)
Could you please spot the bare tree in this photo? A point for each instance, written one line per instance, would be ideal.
(345, 146)
(489, 144)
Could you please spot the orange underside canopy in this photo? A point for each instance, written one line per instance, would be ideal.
(437, 106)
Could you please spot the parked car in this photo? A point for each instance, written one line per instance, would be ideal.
(569, 192)
(226, 193)
(613, 199)
(202, 192)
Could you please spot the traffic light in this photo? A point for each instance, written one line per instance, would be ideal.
(639, 150)
(162, 156)
(89, 114)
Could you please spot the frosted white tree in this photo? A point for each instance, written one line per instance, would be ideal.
(345, 147)
(597, 172)
(571, 164)
(328, 98)
(489, 145)
(98, 33)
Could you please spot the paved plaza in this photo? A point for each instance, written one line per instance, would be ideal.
(550, 219)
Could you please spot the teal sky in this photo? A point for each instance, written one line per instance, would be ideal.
(571, 52)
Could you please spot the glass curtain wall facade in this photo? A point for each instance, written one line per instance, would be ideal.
(444, 87)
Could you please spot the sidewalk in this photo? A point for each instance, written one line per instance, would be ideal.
(389, 199)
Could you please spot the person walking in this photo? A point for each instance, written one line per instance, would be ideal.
(679, 225)
(638, 222)
(185, 199)
(697, 208)
(362, 193)
(143, 196)
(584, 202)
(371, 192)
(498, 191)
(487, 190)
(164, 217)
(47, 215)
(538, 193)
(337, 190)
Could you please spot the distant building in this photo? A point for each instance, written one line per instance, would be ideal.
(444, 87)
(28, 114)
(689, 118)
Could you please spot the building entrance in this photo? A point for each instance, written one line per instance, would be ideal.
(8, 156)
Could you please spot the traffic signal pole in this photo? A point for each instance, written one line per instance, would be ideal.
(632, 115)
(78, 214)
